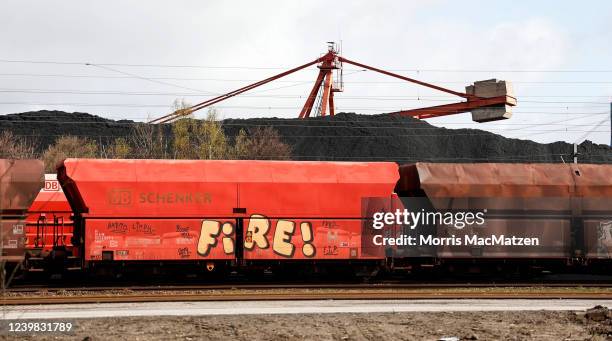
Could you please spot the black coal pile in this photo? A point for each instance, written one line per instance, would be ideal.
(46, 126)
(348, 136)
(344, 137)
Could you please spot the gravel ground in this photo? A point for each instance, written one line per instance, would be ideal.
(595, 324)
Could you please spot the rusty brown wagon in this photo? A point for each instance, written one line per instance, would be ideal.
(20, 182)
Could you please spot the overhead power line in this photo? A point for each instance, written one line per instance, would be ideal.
(562, 109)
(282, 68)
(131, 75)
(589, 132)
(155, 78)
(432, 98)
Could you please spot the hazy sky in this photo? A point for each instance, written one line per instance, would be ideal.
(146, 54)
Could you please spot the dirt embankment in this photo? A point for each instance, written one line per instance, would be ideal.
(598, 321)
(519, 325)
(345, 137)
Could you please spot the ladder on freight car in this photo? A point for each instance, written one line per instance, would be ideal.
(37, 260)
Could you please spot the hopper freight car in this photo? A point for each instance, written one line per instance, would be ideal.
(563, 211)
(222, 213)
(20, 181)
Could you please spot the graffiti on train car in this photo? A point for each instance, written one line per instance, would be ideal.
(211, 229)
(257, 236)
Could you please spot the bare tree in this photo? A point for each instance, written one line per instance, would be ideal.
(181, 107)
(148, 141)
(240, 149)
(16, 147)
(69, 146)
(266, 144)
(119, 149)
(184, 132)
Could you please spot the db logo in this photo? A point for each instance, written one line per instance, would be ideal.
(120, 197)
(51, 186)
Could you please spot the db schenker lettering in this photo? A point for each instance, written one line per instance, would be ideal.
(175, 198)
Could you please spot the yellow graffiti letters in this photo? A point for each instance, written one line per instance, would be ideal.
(308, 249)
(258, 227)
(282, 238)
(228, 242)
(256, 236)
(208, 236)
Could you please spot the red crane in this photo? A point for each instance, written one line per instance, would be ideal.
(488, 100)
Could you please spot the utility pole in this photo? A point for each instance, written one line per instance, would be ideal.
(610, 124)
(575, 153)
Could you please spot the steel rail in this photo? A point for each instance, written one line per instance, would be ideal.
(305, 295)
(266, 286)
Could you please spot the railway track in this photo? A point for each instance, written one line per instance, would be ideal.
(256, 292)
(322, 285)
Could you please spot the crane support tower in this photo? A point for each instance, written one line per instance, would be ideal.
(488, 100)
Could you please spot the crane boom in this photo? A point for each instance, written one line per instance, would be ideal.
(183, 112)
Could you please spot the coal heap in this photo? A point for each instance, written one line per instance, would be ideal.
(353, 137)
(344, 137)
(47, 125)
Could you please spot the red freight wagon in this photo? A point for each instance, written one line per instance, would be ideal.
(193, 210)
(49, 227)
